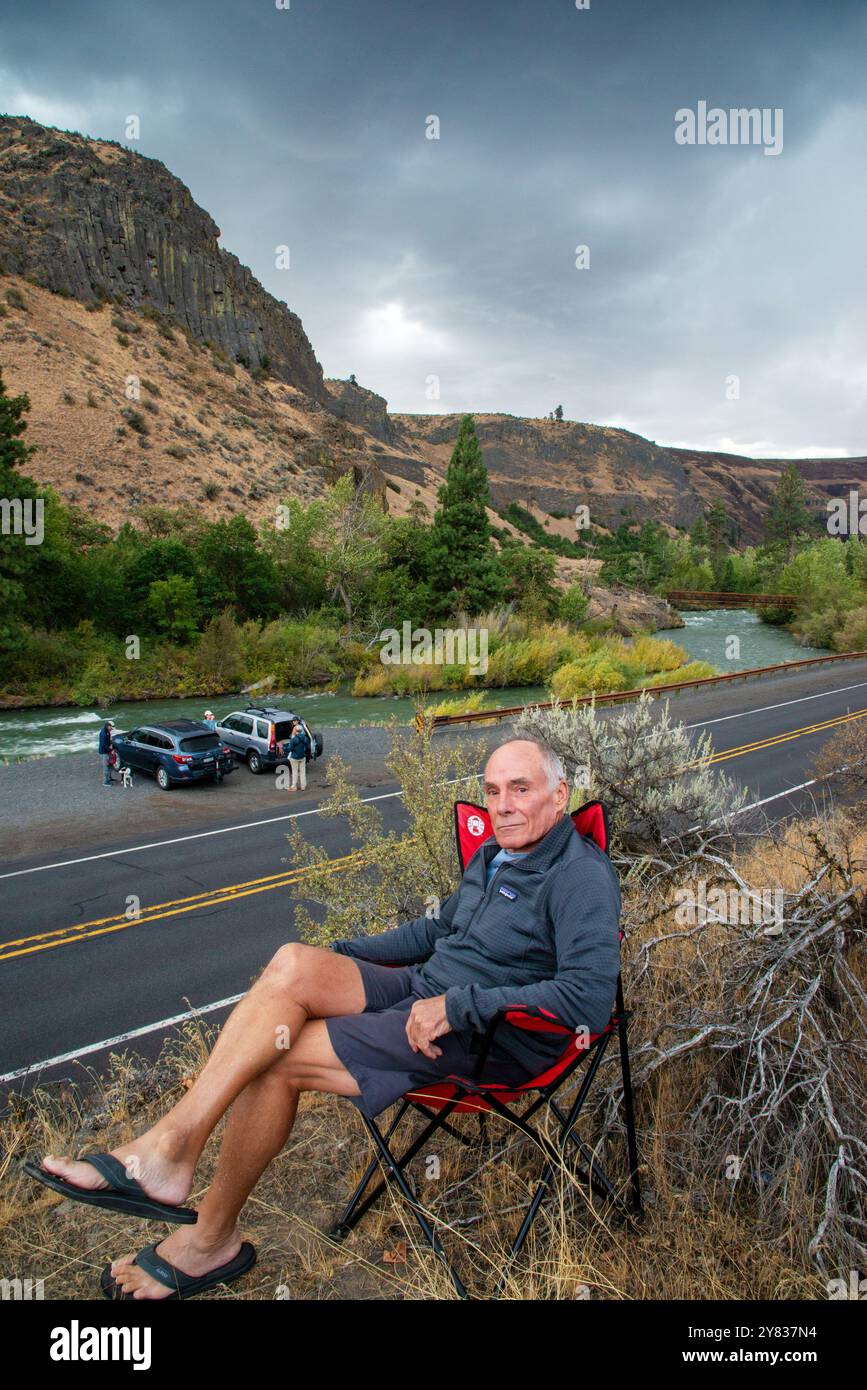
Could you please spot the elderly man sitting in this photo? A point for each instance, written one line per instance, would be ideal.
(534, 921)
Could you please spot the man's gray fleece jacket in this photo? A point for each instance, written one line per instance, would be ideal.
(544, 933)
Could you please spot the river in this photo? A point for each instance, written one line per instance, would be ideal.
(707, 635)
(43, 733)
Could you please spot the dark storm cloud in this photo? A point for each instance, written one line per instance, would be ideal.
(455, 258)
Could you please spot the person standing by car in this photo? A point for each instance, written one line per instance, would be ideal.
(105, 752)
(209, 720)
(296, 748)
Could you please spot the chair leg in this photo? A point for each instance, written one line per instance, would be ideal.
(395, 1174)
(538, 1197)
(352, 1214)
(595, 1177)
(629, 1113)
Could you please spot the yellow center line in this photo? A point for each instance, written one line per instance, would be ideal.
(218, 897)
(270, 880)
(65, 936)
(772, 740)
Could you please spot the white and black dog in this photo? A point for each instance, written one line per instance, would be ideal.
(126, 776)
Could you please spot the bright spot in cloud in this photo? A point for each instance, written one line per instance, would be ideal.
(387, 330)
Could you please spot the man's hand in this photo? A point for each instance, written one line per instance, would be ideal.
(427, 1020)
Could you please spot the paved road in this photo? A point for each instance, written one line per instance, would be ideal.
(210, 867)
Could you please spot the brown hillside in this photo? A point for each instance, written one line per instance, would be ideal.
(554, 466)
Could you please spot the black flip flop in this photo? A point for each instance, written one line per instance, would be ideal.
(125, 1194)
(182, 1285)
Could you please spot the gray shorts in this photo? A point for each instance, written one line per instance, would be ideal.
(375, 1050)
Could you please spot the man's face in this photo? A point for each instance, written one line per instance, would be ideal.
(522, 806)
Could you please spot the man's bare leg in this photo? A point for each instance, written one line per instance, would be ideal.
(259, 1124)
(300, 982)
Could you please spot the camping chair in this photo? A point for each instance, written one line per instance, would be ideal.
(459, 1094)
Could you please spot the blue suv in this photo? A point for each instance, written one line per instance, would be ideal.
(185, 751)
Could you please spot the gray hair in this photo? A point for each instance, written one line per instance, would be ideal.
(551, 763)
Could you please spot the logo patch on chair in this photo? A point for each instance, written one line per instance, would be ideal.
(509, 893)
(475, 825)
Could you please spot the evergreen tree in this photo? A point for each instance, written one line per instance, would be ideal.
(14, 453)
(788, 516)
(698, 533)
(18, 561)
(465, 574)
(718, 526)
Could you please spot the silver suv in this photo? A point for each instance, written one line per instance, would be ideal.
(257, 735)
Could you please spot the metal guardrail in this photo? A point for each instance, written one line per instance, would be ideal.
(615, 697)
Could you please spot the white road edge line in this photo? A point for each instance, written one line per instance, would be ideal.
(721, 719)
(121, 1038)
(233, 999)
(296, 815)
(203, 834)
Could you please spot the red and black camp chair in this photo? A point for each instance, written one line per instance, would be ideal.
(459, 1094)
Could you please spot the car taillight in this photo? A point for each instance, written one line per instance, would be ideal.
(272, 746)
(181, 758)
(226, 748)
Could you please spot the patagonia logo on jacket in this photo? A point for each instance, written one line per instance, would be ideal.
(508, 893)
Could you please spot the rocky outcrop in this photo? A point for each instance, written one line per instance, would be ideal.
(360, 406)
(93, 220)
(630, 610)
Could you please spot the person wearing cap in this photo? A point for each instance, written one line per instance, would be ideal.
(105, 751)
(209, 720)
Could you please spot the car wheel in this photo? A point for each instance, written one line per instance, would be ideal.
(163, 780)
(254, 762)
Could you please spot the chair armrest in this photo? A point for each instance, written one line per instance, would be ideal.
(523, 1016)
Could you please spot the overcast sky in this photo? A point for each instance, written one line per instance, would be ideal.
(414, 258)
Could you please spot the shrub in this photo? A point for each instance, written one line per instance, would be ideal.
(692, 671)
(852, 635)
(135, 420)
(595, 673)
(465, 704)
(572, 607)
(375, 682)
(658, 654)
